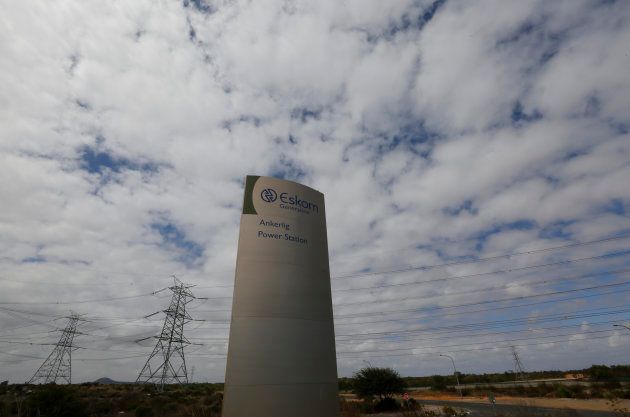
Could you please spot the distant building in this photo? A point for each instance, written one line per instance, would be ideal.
(574, 376)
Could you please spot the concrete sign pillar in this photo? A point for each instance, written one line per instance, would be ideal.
(281, 357)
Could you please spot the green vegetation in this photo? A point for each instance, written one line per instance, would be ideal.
(377, 382)
(94, 400)
(596, 373)
(378, 387)
(605, 390)
(57, 400)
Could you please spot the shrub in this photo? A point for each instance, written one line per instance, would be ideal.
(349, 408)
(438, 383)
(386, 404)
(57, 400)
(214, 401)
(144, 411)
(171, 406)
(367, 406)
(412, 404)
(452, 412)
(562, 391)
(377, 382)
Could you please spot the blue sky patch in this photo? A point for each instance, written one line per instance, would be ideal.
(175, 239)
(192, 34)
(407, 22)
(522, 224)
(467, 206)
(246, 119)
(287, 170)
(616, 206)
(413, 136)
(83, 104)
(556, 230)
(74, 62)
(519, 115)
(199, 5)
(304, 114)
(34, 260)
(429, 13)
(101, 162)
(528, 28)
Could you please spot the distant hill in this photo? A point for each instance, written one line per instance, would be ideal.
(108, 381)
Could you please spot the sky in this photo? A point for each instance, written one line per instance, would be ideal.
(474, 156)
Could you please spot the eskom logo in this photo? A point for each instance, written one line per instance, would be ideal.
(289, 201)
(268, 195)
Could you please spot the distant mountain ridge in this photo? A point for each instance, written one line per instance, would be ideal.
(109, 381)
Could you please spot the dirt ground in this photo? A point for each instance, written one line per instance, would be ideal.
(596, 404)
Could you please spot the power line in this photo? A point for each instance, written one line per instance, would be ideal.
(401, 319)
(485, 259)
(461, 277)
(523, 297)
(522, 268)
(468, 334)
(451, 241)
(84, 301)
(477, 343)
(489, 289)
(353, 352)
(219, 356)
(478, 349)
(20, 355)
(501, 323)
(434, 266)
(426, 267)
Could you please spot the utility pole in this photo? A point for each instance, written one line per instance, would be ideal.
(58, 365)
(167, 364)
(459, 388)
(518, 365)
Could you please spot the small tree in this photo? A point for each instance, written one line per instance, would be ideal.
(377, 382)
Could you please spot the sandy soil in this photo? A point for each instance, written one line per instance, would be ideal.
(593, 404)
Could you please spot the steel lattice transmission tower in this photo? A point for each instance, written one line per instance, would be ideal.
(167, 364)
(518, 365)
(58, 365)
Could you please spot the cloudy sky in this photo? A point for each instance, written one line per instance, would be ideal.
(474, 155)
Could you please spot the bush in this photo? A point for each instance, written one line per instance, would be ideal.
(562, 392)
(438, 383)
(57, 400)
(452, 412)
(349, 408)
(214, 401)
(386, 404)
(144, 411)
(411, 404)
(367, 406)
(377, 382)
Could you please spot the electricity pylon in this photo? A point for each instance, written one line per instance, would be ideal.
(167, 364)
(58, 365)
(518, 365)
